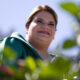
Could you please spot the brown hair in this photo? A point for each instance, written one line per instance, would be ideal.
(41, 8)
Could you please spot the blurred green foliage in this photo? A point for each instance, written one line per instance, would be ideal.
(72, 8)
(69, 44)
(29, 69)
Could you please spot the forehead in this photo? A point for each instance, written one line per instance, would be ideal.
(45, 15)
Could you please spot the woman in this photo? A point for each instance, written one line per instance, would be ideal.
(40, 29)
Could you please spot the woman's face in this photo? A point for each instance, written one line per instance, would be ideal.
(42, 28)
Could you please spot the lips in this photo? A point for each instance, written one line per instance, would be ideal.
(44, 32)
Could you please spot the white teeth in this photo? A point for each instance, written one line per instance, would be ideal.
(45, 32)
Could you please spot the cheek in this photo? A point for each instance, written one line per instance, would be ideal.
(33, 25)
(53, 33)
(32, 28)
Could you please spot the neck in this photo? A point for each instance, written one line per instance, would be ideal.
(42, 51)
(41, 48)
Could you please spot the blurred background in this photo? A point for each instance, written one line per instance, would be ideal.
(14, 13)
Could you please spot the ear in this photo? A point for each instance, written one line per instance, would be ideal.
(27, 28)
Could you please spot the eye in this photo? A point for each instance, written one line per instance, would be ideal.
(51, 24)
(39, 21)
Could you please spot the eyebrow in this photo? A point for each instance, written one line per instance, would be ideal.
(51, 22)
(40, 19)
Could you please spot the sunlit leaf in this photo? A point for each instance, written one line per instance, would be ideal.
(56, 70)
(30, 64)
(70, 7)
(8, 53)
(69, 44)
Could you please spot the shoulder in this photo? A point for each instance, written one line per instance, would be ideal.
(10, 41)
(13, 43)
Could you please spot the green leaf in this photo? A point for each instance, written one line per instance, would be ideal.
(61, 67)
(70, 7)
(30, 64)
(56, 70)
(69, 44)
(71, 77)
(9, 53)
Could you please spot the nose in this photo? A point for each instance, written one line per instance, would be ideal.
(45, 25)
(48, 26)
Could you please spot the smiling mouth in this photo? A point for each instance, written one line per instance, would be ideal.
(44, 32)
